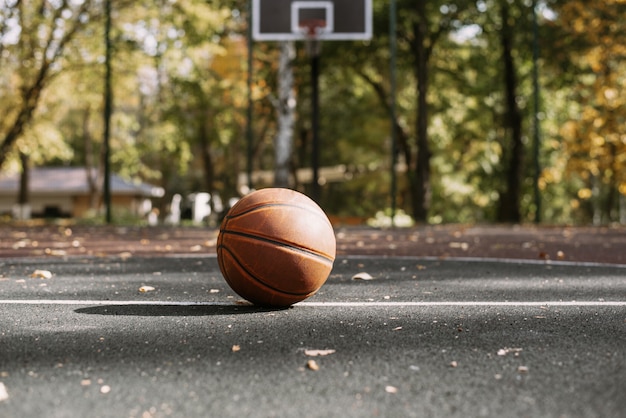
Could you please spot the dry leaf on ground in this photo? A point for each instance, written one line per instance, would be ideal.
(312, 365)
(41, 274)
(362, 276)
(4, 394)
(506, 350)
(125, 255)
(315, 353)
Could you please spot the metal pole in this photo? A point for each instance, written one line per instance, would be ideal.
(392, 106)
(315, 191)
(108, 107)
(249, 135)
(536, 127)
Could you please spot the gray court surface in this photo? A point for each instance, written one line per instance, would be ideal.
(422, 338)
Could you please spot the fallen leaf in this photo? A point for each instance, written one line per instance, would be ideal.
(362, 276)
(20, 244)
(312, 365)
(506, 350)
(462, 245)
(41, 274)
(235, 348)
(4, 394)
(315, 353)
(50, 251)
(145, 289)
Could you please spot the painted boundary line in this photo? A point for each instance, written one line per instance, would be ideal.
(367, 304)
(528, 261)
(454, 259)
(489, 260)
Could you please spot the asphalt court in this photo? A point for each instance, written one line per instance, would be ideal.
(152, 337)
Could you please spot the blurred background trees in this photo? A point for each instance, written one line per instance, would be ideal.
(464, 104)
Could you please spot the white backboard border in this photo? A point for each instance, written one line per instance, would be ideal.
(296, 34)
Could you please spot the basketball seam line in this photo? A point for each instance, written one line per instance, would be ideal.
(257, 279)
(264, 205)
(281, 244)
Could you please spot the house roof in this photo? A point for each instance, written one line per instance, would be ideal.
(72, 180)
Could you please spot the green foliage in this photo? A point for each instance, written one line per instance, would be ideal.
(180, 102)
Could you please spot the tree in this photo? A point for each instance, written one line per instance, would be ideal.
(509, 204)
(421, 27)
(35, 38)
(594, 35)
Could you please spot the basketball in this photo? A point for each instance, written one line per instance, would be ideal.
(276, 247)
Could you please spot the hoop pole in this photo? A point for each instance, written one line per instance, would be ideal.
(108, 110)
(315, 191)
(249, 115)
(392, 106)
(536, 122)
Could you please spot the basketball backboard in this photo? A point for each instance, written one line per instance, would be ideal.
(283, 20)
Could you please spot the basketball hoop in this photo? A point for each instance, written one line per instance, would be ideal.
(285, 20)
(312, 29)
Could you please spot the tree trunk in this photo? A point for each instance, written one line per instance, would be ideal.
(611, 203)
(22, 198)
(419, 176)
(30, 100)
(509, 205)
(91, 170)
(285, 109)
(205, 151)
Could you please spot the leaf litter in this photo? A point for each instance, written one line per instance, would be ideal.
(41, 274)
(362, 276)
(316, 353)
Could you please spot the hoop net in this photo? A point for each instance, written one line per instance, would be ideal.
(312, 28)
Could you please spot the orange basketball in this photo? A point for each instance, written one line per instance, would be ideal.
(276, 247)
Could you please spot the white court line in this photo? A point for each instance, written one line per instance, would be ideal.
(527, 261)
(365, 304)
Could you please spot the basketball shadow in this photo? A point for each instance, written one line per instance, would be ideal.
(173, 310)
